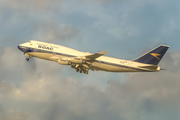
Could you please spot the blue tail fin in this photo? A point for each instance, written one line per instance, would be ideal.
(154, 56)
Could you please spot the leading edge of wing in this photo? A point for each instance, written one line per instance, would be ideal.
(96, 55)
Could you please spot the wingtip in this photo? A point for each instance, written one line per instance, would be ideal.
(104, 52)
(164, 45)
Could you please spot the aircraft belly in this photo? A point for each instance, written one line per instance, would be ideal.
(45, 56)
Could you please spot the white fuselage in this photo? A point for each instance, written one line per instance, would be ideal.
(55, 52)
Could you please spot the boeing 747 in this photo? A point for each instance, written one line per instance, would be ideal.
(84, 61)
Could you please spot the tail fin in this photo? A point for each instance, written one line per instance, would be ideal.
(154, 56)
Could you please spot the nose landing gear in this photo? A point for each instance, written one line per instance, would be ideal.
(29, 56)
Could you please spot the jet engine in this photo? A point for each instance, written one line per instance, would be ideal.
(77, 60)
(64, 61)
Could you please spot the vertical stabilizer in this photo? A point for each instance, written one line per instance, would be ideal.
(154, 56)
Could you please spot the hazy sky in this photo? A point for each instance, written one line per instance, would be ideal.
(44, 90)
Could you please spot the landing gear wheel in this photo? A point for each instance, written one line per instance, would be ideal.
(27, 59)
(77, 70)
(86, 72)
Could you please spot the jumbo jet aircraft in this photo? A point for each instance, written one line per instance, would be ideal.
(84, 61)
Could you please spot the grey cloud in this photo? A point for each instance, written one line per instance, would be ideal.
(17, 115)
(32, 5)
(5, 89)
(43, 5)
(2, 114)
(142, 96)
(14, 115)
(54, 32)
(50, 96)
(38, 88)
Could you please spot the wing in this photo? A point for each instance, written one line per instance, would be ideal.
(94, 56)
(80, 63)
(80, 58)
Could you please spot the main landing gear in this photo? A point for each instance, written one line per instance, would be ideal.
(82, 70)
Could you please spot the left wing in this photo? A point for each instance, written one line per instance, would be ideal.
(94, 56)
(80, 63)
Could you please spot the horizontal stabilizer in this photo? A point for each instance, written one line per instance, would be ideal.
(149, 67)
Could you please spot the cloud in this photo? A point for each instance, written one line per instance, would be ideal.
(37, 89)
(44, 94)
(52, 32)
(30, 4)
(43, 5)
(13, 115)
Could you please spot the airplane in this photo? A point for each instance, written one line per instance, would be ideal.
(85, 61)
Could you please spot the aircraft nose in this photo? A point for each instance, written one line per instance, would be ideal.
(20, 47)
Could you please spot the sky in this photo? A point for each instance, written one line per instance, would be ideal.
(45, 90)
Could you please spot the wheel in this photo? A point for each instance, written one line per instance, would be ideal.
(27, 59)
(77, 70)
(80, 71)
(86, 71)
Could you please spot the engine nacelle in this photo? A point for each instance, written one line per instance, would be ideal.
(77, 60)
(64, 61)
